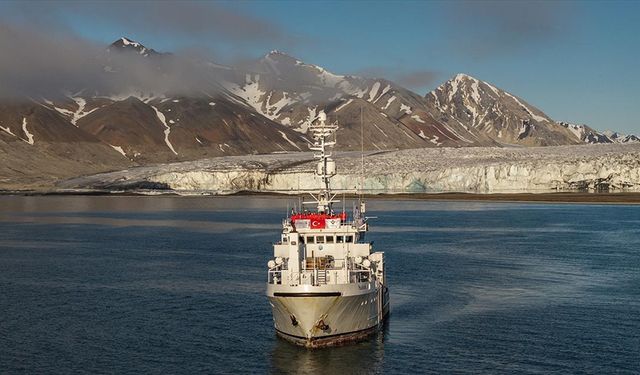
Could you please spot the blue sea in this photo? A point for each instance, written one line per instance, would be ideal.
(175, 285)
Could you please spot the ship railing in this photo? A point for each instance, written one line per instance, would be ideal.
(274, 276)
(314, 277)
(358, 273)
(317, 273)
(319, 276)
(320, 273)
(359, 276)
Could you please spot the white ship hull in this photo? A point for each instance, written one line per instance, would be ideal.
(323, 316)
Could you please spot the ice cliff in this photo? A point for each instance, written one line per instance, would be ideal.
(609, 167)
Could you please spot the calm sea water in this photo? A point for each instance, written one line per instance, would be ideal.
(176, 285)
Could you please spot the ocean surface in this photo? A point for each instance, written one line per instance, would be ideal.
(176, 285)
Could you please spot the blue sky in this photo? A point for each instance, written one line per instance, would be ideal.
(576, 61)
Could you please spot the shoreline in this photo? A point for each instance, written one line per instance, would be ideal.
(550, 197)
(564, 197)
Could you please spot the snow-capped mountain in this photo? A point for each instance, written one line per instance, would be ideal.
(504, 117)
(585, 133)
(621, 138)
(294, 93)
(592, 136)
(156, 107)
(127, 45)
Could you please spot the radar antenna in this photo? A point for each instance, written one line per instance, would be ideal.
(326, 167)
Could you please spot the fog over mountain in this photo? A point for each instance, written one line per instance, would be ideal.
(101, 107)
(36, 64)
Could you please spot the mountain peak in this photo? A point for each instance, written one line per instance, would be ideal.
(280, 56)
(126, 41)
(462, 77)
(126, 44)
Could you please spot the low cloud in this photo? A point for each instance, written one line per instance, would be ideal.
(187, 19)
(41, 54)
(416, 79)
(503, 27)
(35, 63)
(411, 79)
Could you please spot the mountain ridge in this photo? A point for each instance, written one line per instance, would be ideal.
(266, 106)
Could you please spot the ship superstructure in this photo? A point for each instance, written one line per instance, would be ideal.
(325, 284)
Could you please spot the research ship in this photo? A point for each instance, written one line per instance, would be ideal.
(326, 285)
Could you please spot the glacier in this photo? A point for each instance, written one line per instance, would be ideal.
(596, 168)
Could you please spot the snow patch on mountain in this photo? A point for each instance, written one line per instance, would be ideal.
(381, 131)
(250, 92)
(129, 42)
(495, 90)
(288, 140)
(327, 78)
(475, 94)
(313, 115)
(344, 104)
(374, 91)
(273, 109)
(119, 149)
(389, 101)
(30, 138)
(7, 130)
(167, 129)
(527, 109)
(63, 111)
(577, 130)
(80, 112)
(259, 99)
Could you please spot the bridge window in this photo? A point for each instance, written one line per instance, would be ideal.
(339, 239)
(329, 239)
(310, 239)
(320, 239)
(349, 239)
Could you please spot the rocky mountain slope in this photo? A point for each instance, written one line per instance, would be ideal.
(496, 113)
(294, 93)
(163, 108)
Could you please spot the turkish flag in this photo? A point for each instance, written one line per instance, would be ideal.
(317, 223)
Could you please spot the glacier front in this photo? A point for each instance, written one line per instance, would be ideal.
(605, 167)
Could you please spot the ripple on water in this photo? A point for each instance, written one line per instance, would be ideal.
(174, 285)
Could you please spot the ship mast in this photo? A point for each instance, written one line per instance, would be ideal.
(326, 167)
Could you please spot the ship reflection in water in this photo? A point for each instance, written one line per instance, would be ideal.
(366, 357)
